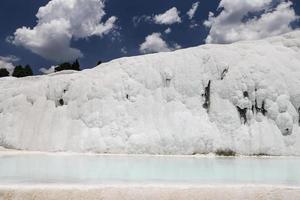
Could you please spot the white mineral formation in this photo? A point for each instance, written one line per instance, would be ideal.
(244, 97)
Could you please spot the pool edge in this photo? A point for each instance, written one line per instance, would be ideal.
(149, 191)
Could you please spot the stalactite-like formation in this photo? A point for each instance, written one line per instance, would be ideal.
(225, 71)
(262, 109)
(206, 104)
(168, 82)
(299, 116)
(243, 114)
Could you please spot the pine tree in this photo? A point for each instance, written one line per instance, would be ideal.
(76, 66)
(21, 71)
(28, 70)
(99, 62)
(63, 66)
(67, 66)
(18, 71)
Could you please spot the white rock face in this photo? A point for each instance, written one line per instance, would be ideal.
(154, 103)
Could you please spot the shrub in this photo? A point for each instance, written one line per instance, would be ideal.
(68, 66)
(260, 154)
(99, 62)
(225, 152)
(3, 72)
(21, 71)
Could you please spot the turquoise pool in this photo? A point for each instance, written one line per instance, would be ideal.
(104, 169)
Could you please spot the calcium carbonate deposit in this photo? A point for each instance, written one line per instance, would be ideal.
(243, 97)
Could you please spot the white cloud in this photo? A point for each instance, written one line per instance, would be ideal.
(231, 24)
(58, 23)
(191, 13)
(169, 17)
(176, 46)
(49, 70)
(168, 31)
(154, 43)
(124, 50)
(6, 62)
(194, 25)
(6, 65)
(138, 19)
(9, 58)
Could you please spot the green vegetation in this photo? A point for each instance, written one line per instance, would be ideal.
(3, 72)
(21, 71)
(225, 152)
(68, 66)
(260, 154)
(99, 62)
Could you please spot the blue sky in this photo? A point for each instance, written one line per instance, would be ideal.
(126, 36)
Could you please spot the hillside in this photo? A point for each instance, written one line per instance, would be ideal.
(244, 97)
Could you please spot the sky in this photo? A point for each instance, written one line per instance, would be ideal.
(44, 33)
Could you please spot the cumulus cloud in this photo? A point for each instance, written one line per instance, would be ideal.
(235, 22)
(154, 43)
(49, 70)
(58, 23)
(168, 31)
(191, 13)
(169, 17)
(6, 62)
(176, 46)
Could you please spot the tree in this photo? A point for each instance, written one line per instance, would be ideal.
(76, 66)
(3, 72)
(99, 62)
(21, 71)
(28, 70)
(67, 66)
(63, 66)
(18, 71)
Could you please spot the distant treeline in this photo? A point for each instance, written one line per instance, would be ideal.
(68, 66)
(21, 71)
(18, 72)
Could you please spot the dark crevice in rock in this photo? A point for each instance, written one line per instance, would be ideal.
(299, 116)
(256, 106)
(225, 71)
(61, 102)
(286, 132)
(127, 96)
(245, 94)
(168, 82)
(66, 88)
(262, 109)
(243, 114)
(206, 104)
(31, 101)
